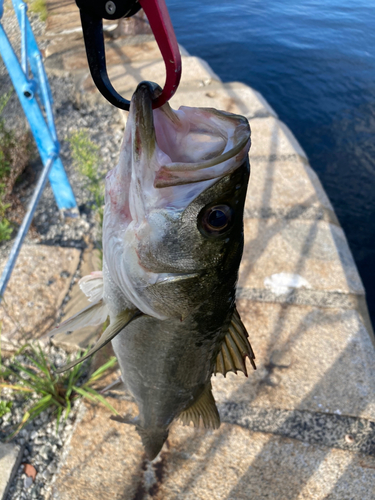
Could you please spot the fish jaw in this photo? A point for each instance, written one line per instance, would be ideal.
(168, 159)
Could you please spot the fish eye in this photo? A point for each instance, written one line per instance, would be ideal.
(215, 220)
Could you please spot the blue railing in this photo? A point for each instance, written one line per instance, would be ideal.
(31, 84)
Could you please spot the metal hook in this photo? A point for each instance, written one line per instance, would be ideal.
(92, 14)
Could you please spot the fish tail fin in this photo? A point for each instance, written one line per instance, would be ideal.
(152, 439)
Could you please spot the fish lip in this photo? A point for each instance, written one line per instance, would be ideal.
(174, 277)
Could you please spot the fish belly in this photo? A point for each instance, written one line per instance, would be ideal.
(167, 364)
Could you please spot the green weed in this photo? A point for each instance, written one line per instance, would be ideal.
(6, 229)
(39, 7)
(5, 407)
(5, 226)
(86, 158)
(49, 390)
(7, 142)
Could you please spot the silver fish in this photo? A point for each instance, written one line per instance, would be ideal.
(172, 246)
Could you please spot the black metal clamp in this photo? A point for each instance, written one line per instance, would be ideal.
(92, 14)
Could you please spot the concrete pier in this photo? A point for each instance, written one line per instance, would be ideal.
(302, 426)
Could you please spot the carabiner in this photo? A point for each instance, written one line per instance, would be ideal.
(92, 14)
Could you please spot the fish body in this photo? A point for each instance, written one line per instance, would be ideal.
(172, 246)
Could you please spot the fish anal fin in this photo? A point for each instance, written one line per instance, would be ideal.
(202, 411)
(235, 348)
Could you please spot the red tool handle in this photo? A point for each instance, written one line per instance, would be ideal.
(161, 25)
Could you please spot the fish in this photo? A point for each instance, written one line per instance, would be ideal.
(172, 246)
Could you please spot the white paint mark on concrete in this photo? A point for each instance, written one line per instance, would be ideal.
(281, 283)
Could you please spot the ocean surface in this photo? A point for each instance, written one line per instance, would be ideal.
(314, 61)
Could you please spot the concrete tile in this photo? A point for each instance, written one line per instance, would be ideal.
(115, 54)
(64, 18)
(106, 461)
(60, 44)
(272, 139)
(308, 358)
(64, 22)
(36, 290)
(234, 464)
(57, 7)
(233, 97)
(10, 458)
(286, 189)
(125, 77)
(331, 430)
(314, 252)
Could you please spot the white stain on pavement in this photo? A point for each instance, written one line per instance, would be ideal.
(285, 282)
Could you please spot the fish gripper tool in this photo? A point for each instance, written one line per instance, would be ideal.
(92, 14)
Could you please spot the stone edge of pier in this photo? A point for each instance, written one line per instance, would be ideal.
(303, 424)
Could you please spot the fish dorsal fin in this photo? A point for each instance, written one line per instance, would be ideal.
(234, 349)
(115, 327)
(203, 410)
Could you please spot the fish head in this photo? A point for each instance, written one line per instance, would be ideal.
(173, 220)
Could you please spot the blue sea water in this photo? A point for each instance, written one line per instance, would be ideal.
(314, 61)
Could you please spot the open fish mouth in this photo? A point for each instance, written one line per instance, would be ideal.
(206, 144)
(197, 144)
(169, 157)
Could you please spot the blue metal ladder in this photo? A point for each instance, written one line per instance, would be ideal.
(31, 84)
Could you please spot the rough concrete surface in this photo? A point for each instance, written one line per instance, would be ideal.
(38, 285)
(74, 56)
(316, 251)
(10, 457)
(286, 189)
(234, 97)
(63, 18)
(271, 138)
(307, 358)
(106, 461)
(125, 77)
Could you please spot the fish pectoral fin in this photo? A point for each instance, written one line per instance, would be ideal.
(92, 315)
(92, 286)
(119, 323)
(234, 349)
(204, 409)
